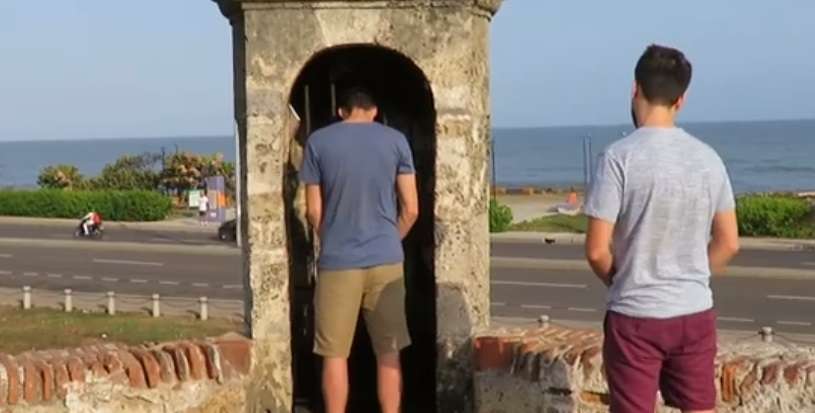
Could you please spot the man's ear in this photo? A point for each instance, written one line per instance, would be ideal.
(680, 103)
(635, 90)
(342, 114)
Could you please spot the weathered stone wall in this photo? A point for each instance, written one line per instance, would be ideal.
(447, 40)
(205, 376)
(560, 370)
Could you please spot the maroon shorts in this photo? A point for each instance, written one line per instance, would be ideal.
(675, 356)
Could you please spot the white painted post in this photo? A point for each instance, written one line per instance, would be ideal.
(111, 303)
(766, 334)
(543, 321)
(69, 302)
(156, 306)
(26, 298)
(204, 308)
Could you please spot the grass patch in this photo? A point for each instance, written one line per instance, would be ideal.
(42, 329)
(556, 223)
(177, 213)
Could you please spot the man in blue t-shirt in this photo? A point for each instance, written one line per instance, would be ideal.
(361, 198)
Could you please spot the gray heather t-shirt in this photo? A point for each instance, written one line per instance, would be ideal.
(662, 187)
(356, 165)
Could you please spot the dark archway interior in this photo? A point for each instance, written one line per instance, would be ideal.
(406, 103)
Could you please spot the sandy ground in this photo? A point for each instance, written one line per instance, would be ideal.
(526, 207)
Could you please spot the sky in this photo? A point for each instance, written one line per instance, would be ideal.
(100, 69)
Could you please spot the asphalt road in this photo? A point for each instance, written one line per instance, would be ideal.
(747, 258)
(85, 268)
(743, 302)
(114, 232)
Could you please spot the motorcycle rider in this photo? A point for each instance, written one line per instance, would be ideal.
(91, 221)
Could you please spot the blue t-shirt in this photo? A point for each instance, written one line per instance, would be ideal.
(356, 165)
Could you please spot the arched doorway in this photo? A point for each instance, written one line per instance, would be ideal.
(406, 103)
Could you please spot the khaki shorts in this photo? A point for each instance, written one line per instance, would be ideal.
(378, 291)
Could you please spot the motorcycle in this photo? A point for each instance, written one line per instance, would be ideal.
(96, 232)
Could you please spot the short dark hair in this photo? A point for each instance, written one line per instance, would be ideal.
(357, 97)
(663, 74)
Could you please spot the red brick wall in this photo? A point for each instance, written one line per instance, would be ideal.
(561, 370)
(43, 376)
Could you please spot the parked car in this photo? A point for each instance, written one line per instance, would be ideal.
(228, 231)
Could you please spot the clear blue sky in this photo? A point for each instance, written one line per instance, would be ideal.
(101, 68)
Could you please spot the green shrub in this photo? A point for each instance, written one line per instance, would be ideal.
(60, 177)
(500, 216)
(129, 173)
(112, 205)
(774, 216)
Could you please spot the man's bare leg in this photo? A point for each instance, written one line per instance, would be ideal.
(335, 384)
(389, 380)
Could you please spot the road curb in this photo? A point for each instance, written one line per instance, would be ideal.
(766, 244)
(136, 226)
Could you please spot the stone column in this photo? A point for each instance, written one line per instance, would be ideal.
(456, 61)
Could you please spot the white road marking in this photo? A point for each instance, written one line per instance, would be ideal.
(498, 304)
(736, 319)
(538, 284)
(30, 274)
(536, 307)
(109, 279)
(138, 281)
(5, 273)
(810, 264)
(232, 286)
(82, 277)
(168, 282)
(794, 323)
(128, 262)
(54, 275)
(582, 310)
(6, 255)
(791, 297)
(200, 285)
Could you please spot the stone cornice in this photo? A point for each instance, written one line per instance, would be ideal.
(230, 7)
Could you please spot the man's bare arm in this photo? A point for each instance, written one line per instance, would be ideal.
(314, 206)
(724, 245)
(408, 202)
(598, 249)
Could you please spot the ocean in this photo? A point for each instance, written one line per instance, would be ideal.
(761, 156)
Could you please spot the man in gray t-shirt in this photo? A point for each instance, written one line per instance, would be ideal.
(361, 199)
(662, 218)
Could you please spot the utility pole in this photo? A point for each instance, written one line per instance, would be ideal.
(238, 191)
(587, 162)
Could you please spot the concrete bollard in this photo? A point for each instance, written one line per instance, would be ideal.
(69, 301)
(156, 306)
(543, 321)
(26, 298)
(766, 334)
(204, 308)
(111, 303)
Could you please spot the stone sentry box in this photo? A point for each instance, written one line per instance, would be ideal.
(427, 64)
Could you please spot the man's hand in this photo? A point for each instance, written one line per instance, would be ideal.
(408, 202)
(724, 245)
(314, 206)
(598, 249)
